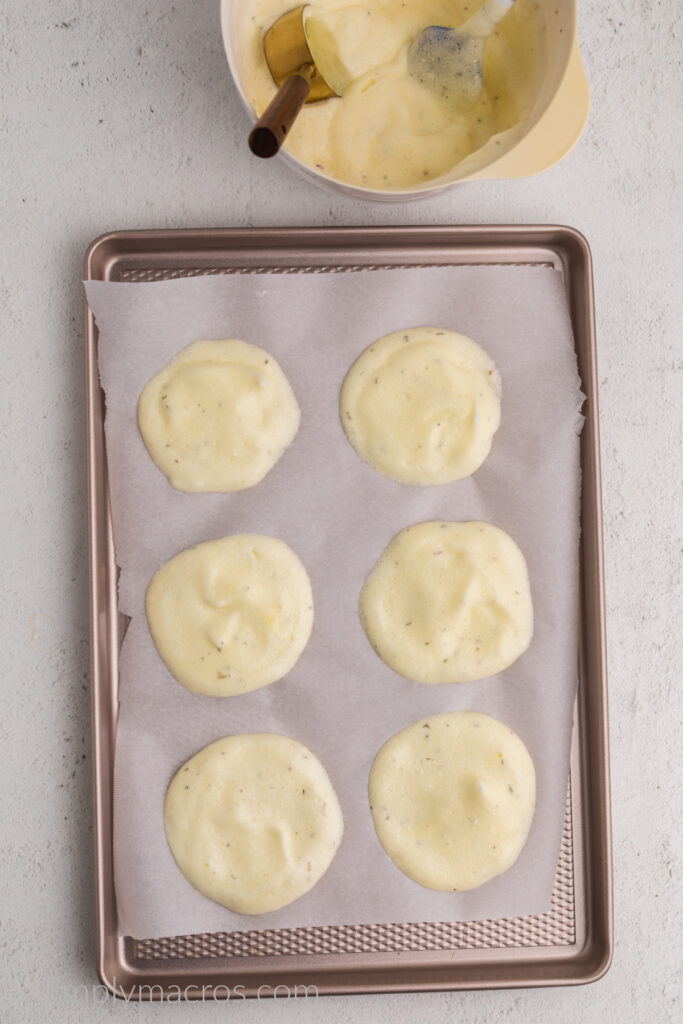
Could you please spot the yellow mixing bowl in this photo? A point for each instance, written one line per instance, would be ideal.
(554, 128)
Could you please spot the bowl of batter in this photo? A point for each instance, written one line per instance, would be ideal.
(386, 137)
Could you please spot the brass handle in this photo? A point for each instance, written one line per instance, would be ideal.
(271, 129)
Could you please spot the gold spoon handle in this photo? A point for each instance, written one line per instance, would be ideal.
(270, 131)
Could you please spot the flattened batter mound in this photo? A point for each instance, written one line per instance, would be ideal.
(253, 821)
(452, 798)
(231, 615)
(218, 417)
(421, 406)
(448, 602)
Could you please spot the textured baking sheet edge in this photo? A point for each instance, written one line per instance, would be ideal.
(400, 957)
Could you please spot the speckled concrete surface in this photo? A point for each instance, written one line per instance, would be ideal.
(123, 115)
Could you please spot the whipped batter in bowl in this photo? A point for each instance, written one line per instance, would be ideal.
(386, 131)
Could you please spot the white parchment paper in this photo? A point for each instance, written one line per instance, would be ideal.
(338, 515)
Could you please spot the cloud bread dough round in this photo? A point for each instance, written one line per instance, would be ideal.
(448, 602)
(452, 798)
(218, 417)
(421, 406)
(231, 615)
(253, 822)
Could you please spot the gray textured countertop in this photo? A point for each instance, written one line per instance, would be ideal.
(123, 115)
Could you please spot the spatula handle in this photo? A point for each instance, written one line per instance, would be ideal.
(271, 129)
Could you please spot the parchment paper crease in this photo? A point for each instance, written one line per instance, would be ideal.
(338, 515)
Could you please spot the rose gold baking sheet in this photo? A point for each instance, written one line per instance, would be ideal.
(572, 942)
